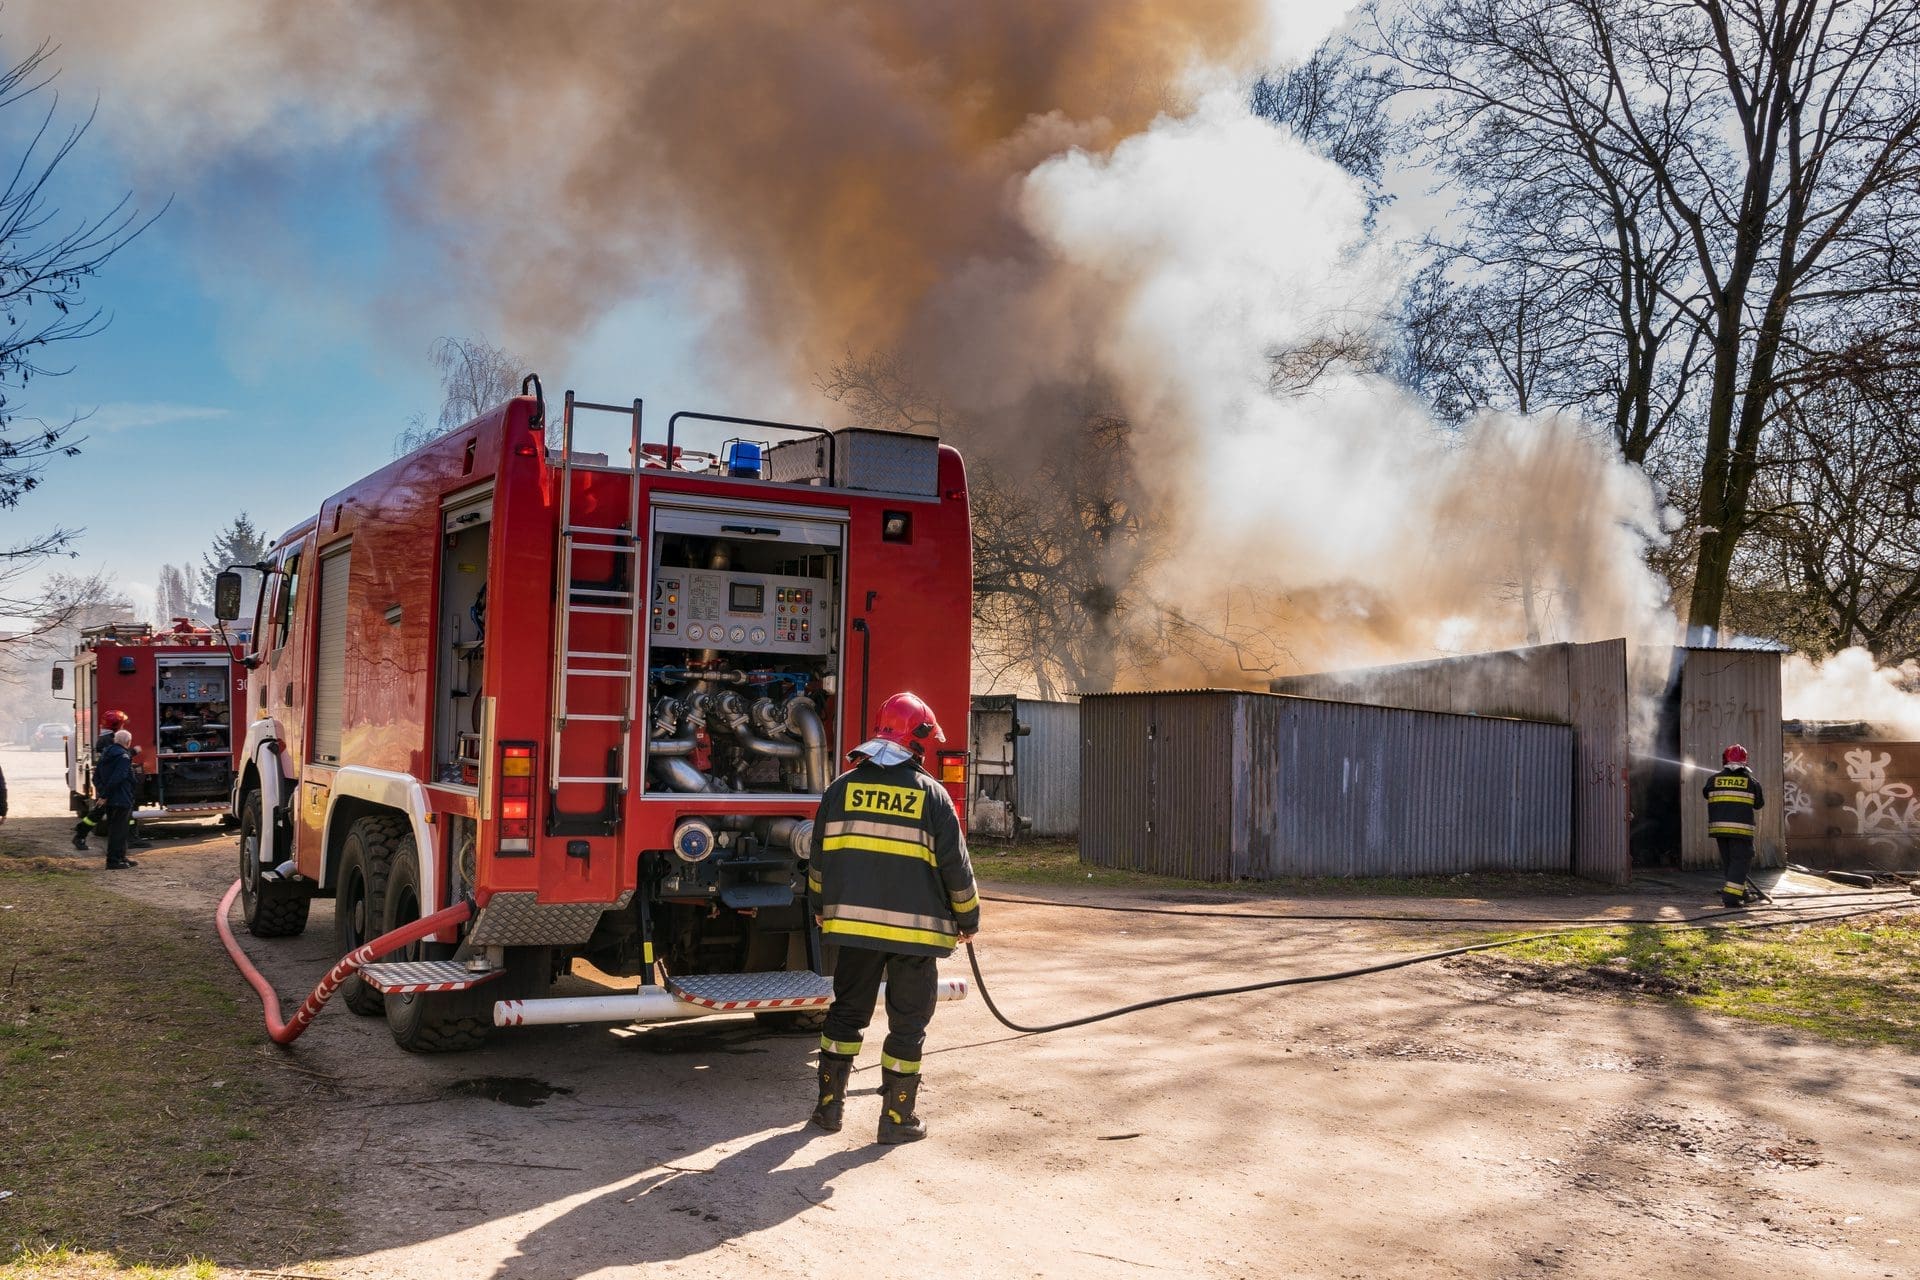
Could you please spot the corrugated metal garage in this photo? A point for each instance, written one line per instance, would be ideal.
(1218, 785)
(1730, 695)
(1026, 767)
(1582, 685)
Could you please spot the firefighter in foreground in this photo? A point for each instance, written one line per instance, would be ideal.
(890, 882)
(1733, 797)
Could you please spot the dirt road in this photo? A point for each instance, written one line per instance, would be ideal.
(1419, 1123)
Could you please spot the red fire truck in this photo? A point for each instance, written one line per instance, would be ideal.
(178, 688)
(599, 700)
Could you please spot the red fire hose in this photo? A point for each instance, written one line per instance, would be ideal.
(289, 1031)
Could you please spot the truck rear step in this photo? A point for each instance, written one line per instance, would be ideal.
(416, 977)
(735, 991)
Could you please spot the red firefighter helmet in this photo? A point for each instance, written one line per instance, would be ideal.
(1735, 754)
(112, 719)
(906, 721)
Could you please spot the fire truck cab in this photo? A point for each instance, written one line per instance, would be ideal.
(598, 699)
(178, 688)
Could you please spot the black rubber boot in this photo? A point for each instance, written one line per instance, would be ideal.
(122, 865)
(834, 1069)
(897, 1122)
(80, 834)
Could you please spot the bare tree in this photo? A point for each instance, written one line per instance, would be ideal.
(475, 376)
(1060, 540)
(1834, 560)
(1747, 174)
(176, 594)
(45, 262)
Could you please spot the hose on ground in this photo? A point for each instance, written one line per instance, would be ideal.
(285, 1033)
(1685, 923)
(1824, 900)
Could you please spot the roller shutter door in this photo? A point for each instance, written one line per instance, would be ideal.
(330, 657)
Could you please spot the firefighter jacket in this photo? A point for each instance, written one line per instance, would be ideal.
(1733, 794)
(890, 869)
(113, 782)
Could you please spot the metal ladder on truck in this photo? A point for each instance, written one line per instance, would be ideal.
(580, 668)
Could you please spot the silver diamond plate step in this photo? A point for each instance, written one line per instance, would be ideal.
(414, 977)
(802, 990)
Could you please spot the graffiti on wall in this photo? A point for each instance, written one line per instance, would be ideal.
(1853, 803)
(1880, 806)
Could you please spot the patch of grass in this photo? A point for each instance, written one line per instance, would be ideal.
(1057, 862)
(62, 1263)
(148, 1123)
(1858, 980)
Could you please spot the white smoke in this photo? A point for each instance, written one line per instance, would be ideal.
(1850, 686)
(1196, 252)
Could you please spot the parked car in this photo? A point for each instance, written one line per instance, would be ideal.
(51, 737)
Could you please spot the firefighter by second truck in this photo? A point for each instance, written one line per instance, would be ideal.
(1733, 798)
(892, 885)
(111, 722)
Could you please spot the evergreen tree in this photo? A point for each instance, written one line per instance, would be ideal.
(239, 543)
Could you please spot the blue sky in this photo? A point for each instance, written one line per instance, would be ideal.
(268, 341)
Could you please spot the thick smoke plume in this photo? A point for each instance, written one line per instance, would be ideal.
(1030, 204)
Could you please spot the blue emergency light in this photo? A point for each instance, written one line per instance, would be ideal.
(743, 459)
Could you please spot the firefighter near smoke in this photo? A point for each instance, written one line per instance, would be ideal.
(596, 700)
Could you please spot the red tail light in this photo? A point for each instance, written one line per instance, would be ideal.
(516, 796)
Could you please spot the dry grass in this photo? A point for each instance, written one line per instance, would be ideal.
(148, 1122)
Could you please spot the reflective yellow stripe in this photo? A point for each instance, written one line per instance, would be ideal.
(899, 1066)
(889, 933)
(1730, 829)
(1738, 890)
(1731, 797)
(845, 1048)
(813, 880)
(969, 903)
(646, 952)
(874, 844)
(885, 830)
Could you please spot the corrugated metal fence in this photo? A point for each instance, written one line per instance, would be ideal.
(1218, 785)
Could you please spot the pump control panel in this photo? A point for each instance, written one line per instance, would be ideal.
(723, 609)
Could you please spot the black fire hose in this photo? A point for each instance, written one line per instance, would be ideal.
(1686, 923)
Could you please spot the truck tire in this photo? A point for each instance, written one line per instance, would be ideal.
(359, 904)
(271, 910)
(791, 1021)
(435, 1022)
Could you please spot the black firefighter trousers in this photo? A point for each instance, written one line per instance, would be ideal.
(1736, 856)
(912, 984)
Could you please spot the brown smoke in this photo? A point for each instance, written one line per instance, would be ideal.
(845, 160)
(1030, 203)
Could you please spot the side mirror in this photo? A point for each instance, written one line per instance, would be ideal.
(227, 590)
(59, 679)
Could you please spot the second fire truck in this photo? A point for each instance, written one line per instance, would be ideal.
(598, 698)
(178, 689)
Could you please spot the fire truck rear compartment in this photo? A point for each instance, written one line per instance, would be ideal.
(193, 756)
(743, 660)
